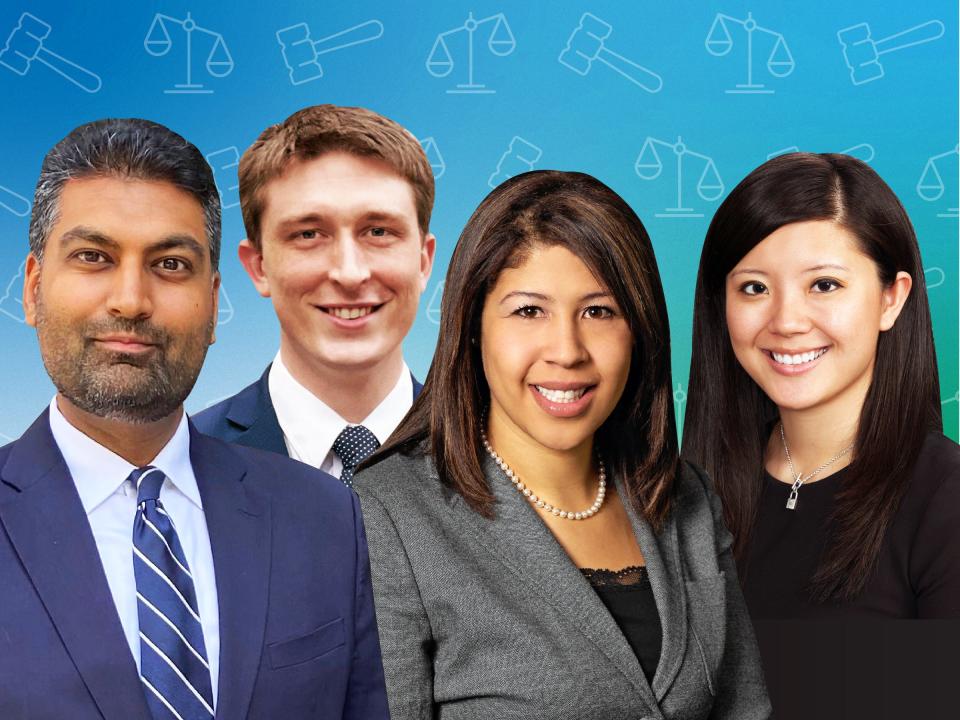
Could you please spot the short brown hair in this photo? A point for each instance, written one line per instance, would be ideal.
(319, 129)
(576, 211)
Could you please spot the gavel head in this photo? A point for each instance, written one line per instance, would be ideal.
(25, 41)
(299, 53)
(585, 43)
(860, 53)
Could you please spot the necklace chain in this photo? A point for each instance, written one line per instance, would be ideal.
(798, 478)
(540, 502)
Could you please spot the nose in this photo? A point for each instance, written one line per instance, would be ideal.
(789, 315)
(130, 292)
(348, 265)
(566, 347)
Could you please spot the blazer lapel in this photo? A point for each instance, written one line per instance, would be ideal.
(252, 411)
(523, 542)
(662, 554)
(51, 534)
(238, 521)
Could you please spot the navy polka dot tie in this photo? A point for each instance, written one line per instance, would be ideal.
(353, 446)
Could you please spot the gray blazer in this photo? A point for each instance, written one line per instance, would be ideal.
(486, 619)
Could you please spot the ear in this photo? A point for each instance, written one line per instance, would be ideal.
(31, 286)
(252, 260)
(216, 306)
(893, 298)
(428, 249)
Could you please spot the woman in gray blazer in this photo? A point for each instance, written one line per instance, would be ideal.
(537, 548)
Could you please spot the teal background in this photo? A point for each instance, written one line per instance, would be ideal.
(595, 123)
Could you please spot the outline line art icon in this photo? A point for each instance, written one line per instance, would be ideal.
(500, 42)
(679, 400)
(931, 186)
(11, 303)
(649, 166)
(224, 308)
(934, 272)
(955, 398)
(436, 301)
(157, 42)
(587, 44)
(432, 151)
(301, 52)
(14, 202)
(520, 157)
(224, 164)
(862, 53)
(719, 42)
(862, 151)
(25, 45)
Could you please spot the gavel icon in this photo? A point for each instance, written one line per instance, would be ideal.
(301, 53)
(586, 45)
(862, 53)
(25, 45)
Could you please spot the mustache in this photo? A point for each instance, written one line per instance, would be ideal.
(142, 329)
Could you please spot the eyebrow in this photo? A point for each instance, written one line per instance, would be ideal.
(84, 234)
(815, 268)
(546, 298)
(319, 217)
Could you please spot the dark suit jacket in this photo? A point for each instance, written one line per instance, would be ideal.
(298, 635)
(248, 418)
(488, 618)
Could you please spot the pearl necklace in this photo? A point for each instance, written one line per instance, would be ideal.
(543, 504)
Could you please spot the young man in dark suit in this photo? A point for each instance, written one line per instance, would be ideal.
(336, 202)
(148, 571)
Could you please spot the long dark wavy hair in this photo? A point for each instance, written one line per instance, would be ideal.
(576, 211)
(729, 418)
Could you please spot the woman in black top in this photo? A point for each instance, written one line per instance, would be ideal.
(814, 400)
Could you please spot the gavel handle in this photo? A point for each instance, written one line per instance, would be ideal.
(81, 77)
(364, 32)
(908, 38)
(637, 74)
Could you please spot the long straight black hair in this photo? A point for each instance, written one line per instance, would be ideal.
(580, 213)
(729, 418)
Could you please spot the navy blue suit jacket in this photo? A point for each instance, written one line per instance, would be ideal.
(248, 418)
(298, 635)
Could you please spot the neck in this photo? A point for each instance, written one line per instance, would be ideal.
(352, 392)
(565, 478)
(137, 443)
(813, 436)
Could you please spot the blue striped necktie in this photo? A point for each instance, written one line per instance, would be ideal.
(173, 658)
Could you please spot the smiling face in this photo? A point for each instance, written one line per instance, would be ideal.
(804, 310)
(344, 261)
(125, 299)
(556, 355)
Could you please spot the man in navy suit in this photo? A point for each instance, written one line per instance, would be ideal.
(336, 202)
(148, 571)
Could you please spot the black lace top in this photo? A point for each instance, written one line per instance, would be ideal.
(629, 599)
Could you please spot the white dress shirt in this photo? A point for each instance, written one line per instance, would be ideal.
(310, 426)
(110, 501)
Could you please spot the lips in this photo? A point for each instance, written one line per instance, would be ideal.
(563, 400)
(800, 358)
(125, 343)
(561, 396)
(350, 312)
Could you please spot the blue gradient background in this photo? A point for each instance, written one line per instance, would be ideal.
(595, 123)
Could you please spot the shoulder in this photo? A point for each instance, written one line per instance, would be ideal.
(216, 419)
(935, 478)
(399, 480)
(697, 511)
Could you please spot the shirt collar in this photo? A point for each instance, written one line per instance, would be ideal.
(308, 422)
(98, 472)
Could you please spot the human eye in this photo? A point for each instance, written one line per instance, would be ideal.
(172, 265)
(90, 257)
(753, 287)
(307, 234)
(825, 285)
(379, 231)
(529, 312)
(599, 312)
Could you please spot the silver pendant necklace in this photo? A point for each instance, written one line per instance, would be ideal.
(799, 479)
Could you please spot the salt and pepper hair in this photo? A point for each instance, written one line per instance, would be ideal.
(125, 148)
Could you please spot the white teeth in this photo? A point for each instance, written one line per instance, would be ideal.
(798, 359)
(350, 313)
(561, 396)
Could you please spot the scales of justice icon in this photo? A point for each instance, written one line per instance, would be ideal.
(931, 186)
(649, 166)
(719, 42)
(157, 42)
(499, 42)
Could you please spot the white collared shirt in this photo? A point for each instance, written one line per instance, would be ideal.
(110, 502)
(310, 426)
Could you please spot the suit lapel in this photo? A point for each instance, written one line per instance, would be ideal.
(519, 539)
(238, 521)
(252, 411)
(417, 387)
(51, 534)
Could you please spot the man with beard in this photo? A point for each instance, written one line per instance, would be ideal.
(148, 571)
